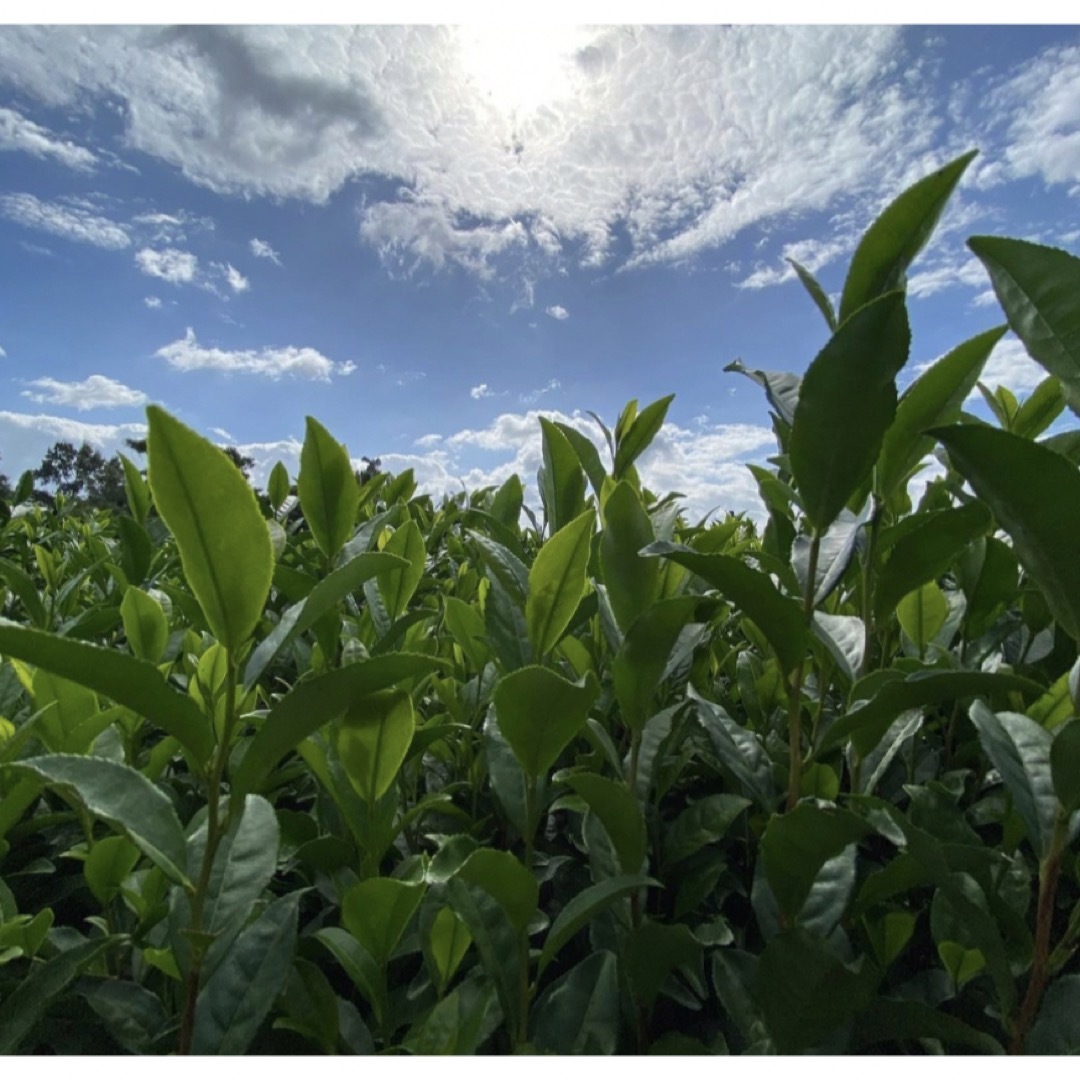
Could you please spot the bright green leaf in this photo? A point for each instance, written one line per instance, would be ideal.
(329, 493)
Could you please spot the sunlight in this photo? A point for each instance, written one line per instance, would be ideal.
(519, 68)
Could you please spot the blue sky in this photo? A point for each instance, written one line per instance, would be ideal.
(425, 236)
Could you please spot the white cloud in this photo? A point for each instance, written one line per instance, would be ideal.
(19, 133)
(262, 250)
(1043, 96)
(237, 282)
(72, 222)
(706, 465)
(810, 254)
(221, 433)
(186, 354)
(1009, 365)
(94, 392)
(547, 143)
(346, 367)
(2, 352)
(534, 395)
(171, 228)
(170, 264)
(25, 437)
(481, 391)
(948, 273)
(152, 301)
(557, 311)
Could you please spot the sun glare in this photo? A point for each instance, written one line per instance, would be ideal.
(519, 68)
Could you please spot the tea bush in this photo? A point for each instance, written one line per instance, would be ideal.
(341, 770)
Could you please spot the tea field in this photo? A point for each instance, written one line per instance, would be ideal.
(337, 768)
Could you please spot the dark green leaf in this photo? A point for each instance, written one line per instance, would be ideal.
(125, 800)
(507, 880)
(653, 950)
(233, 1003)
(806, 991)
(585, 906)
(1020, 750)
(618, 812)
(1057, 1028)
(797, 844)
(632, 582)
(311, 704)
(1065, 765)
(639, 666)
(890, 245)
(817, 293)
(886, 1020)
(587, 454)
(1039, 289)
(925, 552)
(779, 617)
(868, 721)
(330, 591)
(579, 1012)
(26, 1004)
(703, 822)
(853, 375)
(936, 397)
(136, 489)
(1035, 496)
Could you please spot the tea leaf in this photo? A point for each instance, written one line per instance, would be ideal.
(632, 582)
(560, 479)
(125, 800)
(235, 1000)
(579, 1012)
(376, 912)
(1039, 289)
(398, 585)
(636, 438)
(311, 704)
(1020, 750)
(557, 582)
(26, 1004)
(145, 625)
(373, 739)
(539, 714)
(890, 245)
(936, 397)
(1035, 496)
(505, 879)
(618, 812)
(327, 487)
(853, 375)
(214, 516)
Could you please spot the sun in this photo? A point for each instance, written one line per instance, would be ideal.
(519, 69)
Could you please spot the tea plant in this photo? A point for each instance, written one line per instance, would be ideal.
(337, 769)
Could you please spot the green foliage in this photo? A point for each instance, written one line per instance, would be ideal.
(387, 775)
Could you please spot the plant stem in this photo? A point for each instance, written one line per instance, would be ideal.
(215, 829)
(867, 572)
(795, 687)
(1049, 872)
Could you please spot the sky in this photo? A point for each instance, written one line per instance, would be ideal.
(428, 236)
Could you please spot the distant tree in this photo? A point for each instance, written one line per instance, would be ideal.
(138, 445)
(83, 474)
(6, 490)
(244, 463)
(371, 469)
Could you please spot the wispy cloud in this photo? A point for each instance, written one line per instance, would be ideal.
(170, 264)
(19, 133)
(262, 250)
(152, 302)
(186, 354)
(161, 228)
(3, 353)
(532, 396)
(94, 392)
(72, 222)
(237, 282)
(558, 312)
(481, 391)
